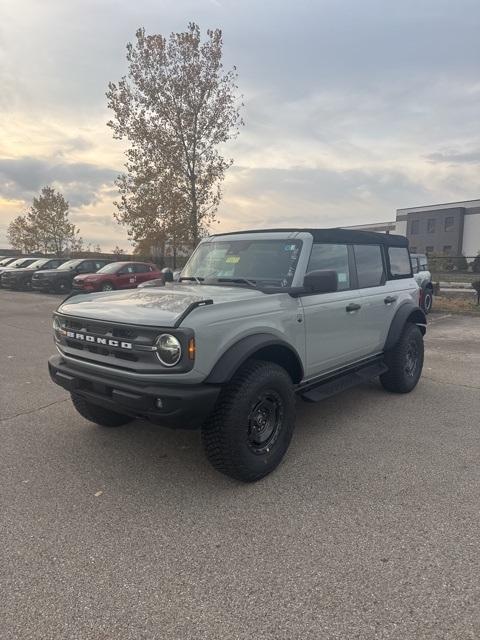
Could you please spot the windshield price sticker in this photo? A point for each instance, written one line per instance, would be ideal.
(232, 259)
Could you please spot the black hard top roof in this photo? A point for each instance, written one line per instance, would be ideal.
(347, 236)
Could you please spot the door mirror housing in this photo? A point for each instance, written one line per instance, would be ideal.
(321, 281)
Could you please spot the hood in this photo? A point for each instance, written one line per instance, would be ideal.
(86, 276)
(51, 272)
(21, 270)
(151, 306)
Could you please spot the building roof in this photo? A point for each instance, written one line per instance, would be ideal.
(465, 204)
(347, 236)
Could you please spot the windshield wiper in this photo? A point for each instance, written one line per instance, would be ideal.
(251, 283)
(192, 279)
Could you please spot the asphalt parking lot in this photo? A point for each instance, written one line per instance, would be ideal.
(369, 529)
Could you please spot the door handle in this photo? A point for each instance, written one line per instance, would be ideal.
(390, 299)
(353, 306)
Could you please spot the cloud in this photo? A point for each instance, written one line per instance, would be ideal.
(80, 182)
(455, 157)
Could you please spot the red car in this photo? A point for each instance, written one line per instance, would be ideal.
(116, 275)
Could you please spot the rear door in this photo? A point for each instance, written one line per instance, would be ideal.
(142, 272)
(126, 277)
(377, 298)
(331, 325)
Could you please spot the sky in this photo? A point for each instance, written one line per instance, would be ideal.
(353, 108)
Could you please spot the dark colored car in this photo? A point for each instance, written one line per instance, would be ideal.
(18, 263)
(22, 278)
(116, 275)
(60, 280)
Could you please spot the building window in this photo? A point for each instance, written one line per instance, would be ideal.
(431, 225)
(447, 249)
(414, 226)
(449, 223)
(428, 249)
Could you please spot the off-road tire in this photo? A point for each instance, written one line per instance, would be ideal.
(98, 415)
(108, 286)
(400, 377)
(62, 287)
(228, 434)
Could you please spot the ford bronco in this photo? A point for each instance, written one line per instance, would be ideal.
(257, 318)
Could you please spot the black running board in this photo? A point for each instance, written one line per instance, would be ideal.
(333, 385)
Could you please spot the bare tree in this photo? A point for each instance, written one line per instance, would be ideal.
(175, 107)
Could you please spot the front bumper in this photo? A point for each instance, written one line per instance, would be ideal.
(182, 406)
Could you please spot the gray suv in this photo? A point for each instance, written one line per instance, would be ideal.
(257, 318)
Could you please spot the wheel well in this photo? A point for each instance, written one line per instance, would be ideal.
(417, 317)
(283, 357)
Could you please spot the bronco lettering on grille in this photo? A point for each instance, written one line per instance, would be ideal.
(97, 340)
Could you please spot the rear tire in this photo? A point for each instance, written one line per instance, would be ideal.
(99, 415)
(427, 301)
(107, 286)
(250, 429)
(404, 361)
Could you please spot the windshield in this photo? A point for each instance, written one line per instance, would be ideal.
(245, 261)
(71, 264)
(110, 268)
(38, 263)
(21, 262)
(6, 261)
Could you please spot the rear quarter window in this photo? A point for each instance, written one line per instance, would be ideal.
(399, 262)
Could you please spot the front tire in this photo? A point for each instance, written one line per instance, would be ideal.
(99, 415)
(62, 287)
(404, 361)
(107, 286)
(252, 424)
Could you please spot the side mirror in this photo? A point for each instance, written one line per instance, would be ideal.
(321, 281)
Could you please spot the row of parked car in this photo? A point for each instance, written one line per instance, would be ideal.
(82, 275)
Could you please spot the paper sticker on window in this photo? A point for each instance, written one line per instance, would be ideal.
(342, 277)
(232, 259)
(289, 247)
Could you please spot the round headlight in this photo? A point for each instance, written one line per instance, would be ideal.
(169, 349)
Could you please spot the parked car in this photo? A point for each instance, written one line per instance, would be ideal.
(18, 263)
(6, 261)
(423, 278)
(22, 278)
(60, 280)
(257, 318)
(116, 275)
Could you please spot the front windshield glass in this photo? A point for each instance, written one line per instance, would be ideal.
(272, 262)
(5, 262)
(21, 262)
(110, 268)
(37, 264)
(71, 264)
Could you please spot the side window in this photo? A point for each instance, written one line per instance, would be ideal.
(400, 262)
(99, 265)
(368, 258)
(141, 268)
(85, 267)
(326, 257)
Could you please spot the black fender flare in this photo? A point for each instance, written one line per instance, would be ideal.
(407, 312)
(267, 346)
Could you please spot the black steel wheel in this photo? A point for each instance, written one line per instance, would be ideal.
(250, 429)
